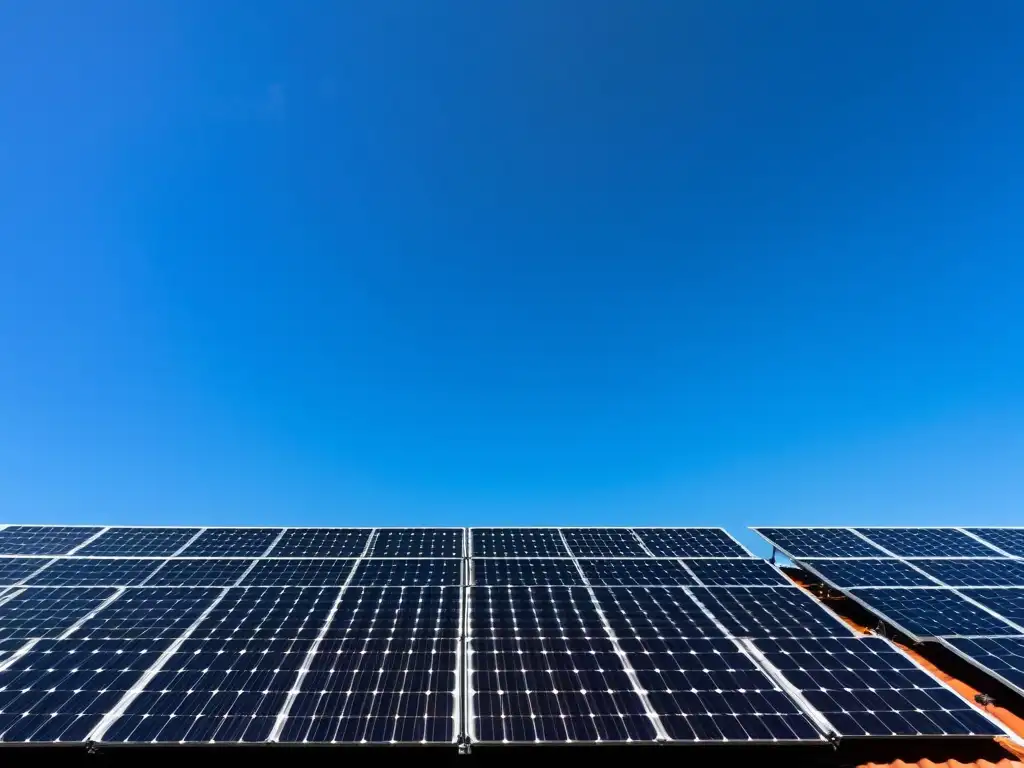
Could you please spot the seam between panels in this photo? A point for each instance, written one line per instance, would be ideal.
(274, 543)
(163, 564)
(88, 541)
(247, 571)
(118, 591)
(640, 541)
(21, 651)
(986, 609)
(35, 573)
(370, 540)
(97, 733)
(893, 555)
(660, 733)
(988, 544)
(467, 675)
(689, 570)
(293, 692)
(188, 543)
(459, 727)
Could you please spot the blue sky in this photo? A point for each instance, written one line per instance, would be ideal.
(511, 263)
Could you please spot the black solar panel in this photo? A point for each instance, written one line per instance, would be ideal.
(735, 573)
(107, 572)
(603, 542)
(654, 612)
(769, 612)
(690, 542)
(629, 573)
(232, 542)
(47, 612)
(865, 687)
(936, 612)
(398, 611)
(927, 542)
(870, 573)
(517, 542)
(1008, 603)
(144, 613)
(16, 569)
(1010, 540)
(199, 573)
(416, 542)
(820, 542)
(7, 647)
(299, 573)
(407, 573)
(269, 613)
(534, 612)
(321, 542)
(527, 688)
(526, 572)
(61, 689)
(43, 539)
(975, 573)
(1003, 656)
(139, 542)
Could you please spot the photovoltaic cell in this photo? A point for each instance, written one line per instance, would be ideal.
(865, 687)
(16, 569)
(48, 612)
(525, 572)
(629, 573)
(844, 574)
(42, 539)
(214, 690)
(407, 573)
(308, 572)
(106, 572)
(927, 542)
(602, 542)
(1004, 656)
(416, 542)
(654, 612)
(321, 542)
(517, 542)
(1008, 603)
(690, 542)
(232, 542)
(820, 542)
(735, 573)
(199, 573)
(1010, 540)
(139, 542)
(142, 613)
(769, 612)
(932, 612)
(61, 689)
(534, 612)
(975, 573)
(553, 689)
(398, 611)
(269, 613)
(708, 690)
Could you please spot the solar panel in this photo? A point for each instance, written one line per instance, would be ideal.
(232, 542)
(866, 687)
(736, 573)
(602, 542)
(306, 572)
(820, 542)
(870, 573)
(43, 539)
(407, 573)
(975, 573)
(654, 612)
(106, 572)
(139, 542)
(690, 542)
(629, 573)
(517, 542)
(61, 689)
(199, 573)
(416, 542)
(145, 613)
(398, 611)
(269, 613)
(769, 612)
(526, 572)
(47, 612)
(927, 542)
(924, 612)
(7, 647)
(1008, 603)
(321, 542)
(534, 612)
(15, 569)
(1010, 540)
(1001, 656)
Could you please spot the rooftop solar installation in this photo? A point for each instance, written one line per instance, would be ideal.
(872, 572)
(439, 636)
(923, 612)
(1008, 603)
(966, 572)
(1003, 657)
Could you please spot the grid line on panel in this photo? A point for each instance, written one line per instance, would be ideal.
(989, 544)
(640, 541)
(154, 572)
(926, 612)
(270, 547)
(1006, 539)
(119, 709)
(88, 541)
(925, 542)
(188, 543)
(23, 569)
(78, 624)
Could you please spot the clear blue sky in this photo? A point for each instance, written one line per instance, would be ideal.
(512, 262)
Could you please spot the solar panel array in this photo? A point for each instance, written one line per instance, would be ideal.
(436, 636)
(962, 587)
